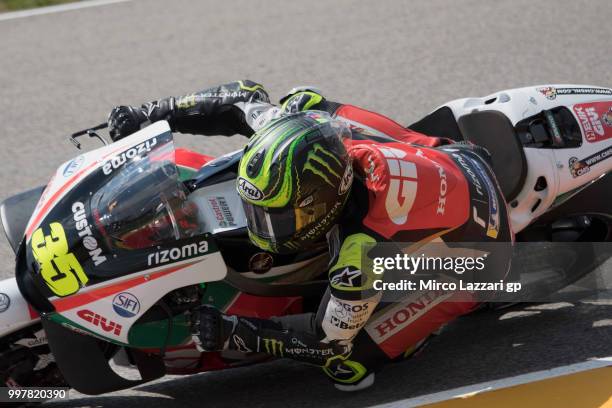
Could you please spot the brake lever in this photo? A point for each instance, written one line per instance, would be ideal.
(91, 132)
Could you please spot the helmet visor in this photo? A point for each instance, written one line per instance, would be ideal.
(278, 225)
(271, 224)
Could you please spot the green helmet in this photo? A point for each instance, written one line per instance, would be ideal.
(294, 178)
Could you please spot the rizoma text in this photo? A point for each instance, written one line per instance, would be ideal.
(178, 253)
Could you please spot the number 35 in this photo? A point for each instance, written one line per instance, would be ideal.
(60, 269)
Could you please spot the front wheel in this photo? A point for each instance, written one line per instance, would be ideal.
(26, 360)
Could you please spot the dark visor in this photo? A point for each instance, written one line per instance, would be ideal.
(281, 224)
(274, 224)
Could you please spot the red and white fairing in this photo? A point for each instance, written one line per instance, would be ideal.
(595, 120)
(92, 306)
(70, 173)
(592, 108)
(15, 312)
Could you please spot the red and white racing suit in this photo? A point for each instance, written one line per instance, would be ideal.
(409, 187)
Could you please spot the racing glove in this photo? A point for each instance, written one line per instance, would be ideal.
(215, 331)
(211, 329)
(125, 120)
(213, 111)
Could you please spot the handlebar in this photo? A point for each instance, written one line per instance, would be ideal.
(91, 132)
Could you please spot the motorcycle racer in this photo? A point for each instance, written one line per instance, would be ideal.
(319, 172)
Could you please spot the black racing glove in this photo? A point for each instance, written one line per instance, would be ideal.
(125, 120)
(211, 329)
(215, 331)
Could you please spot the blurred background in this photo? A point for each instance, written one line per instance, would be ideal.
(64, 71)
(11, 5)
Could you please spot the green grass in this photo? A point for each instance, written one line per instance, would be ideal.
(10, 5)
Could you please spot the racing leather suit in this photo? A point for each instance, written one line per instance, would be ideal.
(408, 187)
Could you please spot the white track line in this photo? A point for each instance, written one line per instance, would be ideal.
(57, 9)
(499, 384)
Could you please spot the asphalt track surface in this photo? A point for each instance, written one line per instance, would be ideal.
(62, 72)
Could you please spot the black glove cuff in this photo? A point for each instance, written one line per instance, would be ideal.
(211, 329)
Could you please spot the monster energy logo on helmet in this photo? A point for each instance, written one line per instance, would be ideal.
(280, 155)
(294, 178)
(316, 162)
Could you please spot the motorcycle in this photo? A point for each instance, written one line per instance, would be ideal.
(65, 322)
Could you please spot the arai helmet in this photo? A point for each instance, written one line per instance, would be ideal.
(294, 178)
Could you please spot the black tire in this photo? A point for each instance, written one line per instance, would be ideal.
(29, 365)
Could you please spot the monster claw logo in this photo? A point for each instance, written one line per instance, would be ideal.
(186, 102)
(316, 162)
(274, 347)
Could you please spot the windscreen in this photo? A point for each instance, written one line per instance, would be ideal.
(144, 204)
